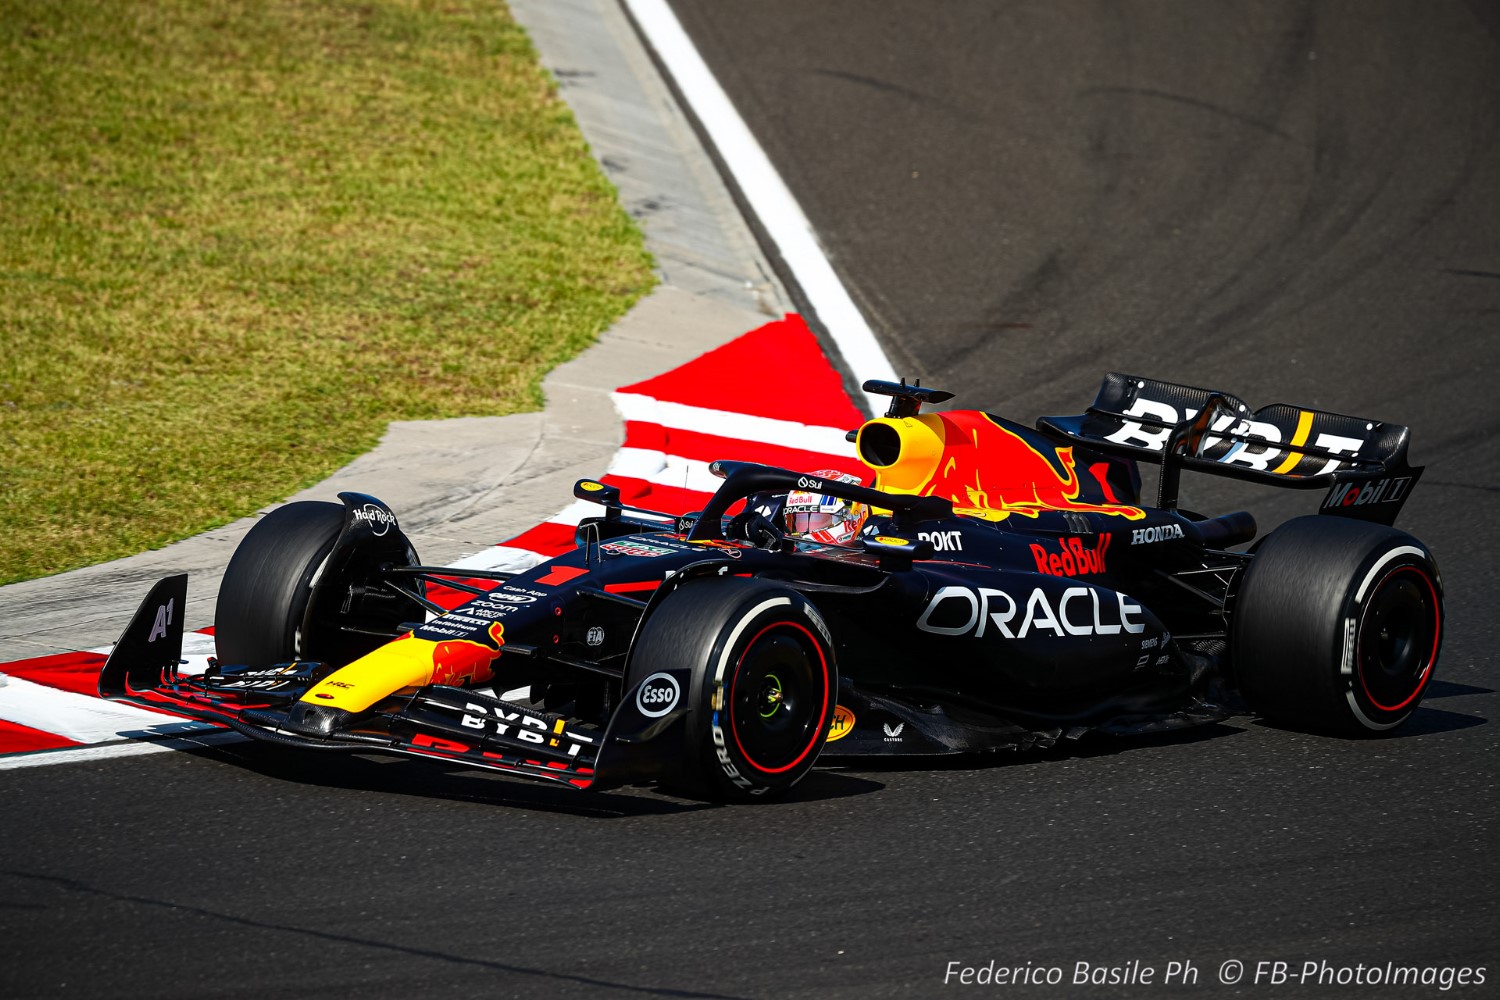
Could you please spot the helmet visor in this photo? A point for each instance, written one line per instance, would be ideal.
(805, 522)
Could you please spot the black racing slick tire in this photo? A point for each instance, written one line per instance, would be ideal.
(764, 684)
(1337, 625)
(287, 595)
(264, 596)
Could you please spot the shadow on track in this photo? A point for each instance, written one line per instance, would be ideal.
(370, 772)
(1090, 745)
(1452, 689)
(1423, 722)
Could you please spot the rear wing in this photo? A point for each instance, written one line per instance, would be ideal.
(1361, 462)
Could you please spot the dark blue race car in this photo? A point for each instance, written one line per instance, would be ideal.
(996, 586)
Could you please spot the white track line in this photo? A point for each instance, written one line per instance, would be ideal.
(767, 193)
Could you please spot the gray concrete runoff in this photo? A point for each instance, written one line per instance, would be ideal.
(460, 485)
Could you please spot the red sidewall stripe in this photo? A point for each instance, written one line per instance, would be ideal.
(1437, 629)
(822, 709)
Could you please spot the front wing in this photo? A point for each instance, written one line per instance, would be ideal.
(447, 723)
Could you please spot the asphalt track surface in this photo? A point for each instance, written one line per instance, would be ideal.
(1289, 201)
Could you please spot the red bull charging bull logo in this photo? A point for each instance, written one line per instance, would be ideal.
(468, 661)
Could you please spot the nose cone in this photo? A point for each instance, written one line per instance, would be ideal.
(404, 663)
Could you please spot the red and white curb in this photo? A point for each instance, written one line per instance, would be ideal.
(50, 711)
(770, 396)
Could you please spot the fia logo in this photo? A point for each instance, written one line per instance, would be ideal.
(595, 636)
(893, 733)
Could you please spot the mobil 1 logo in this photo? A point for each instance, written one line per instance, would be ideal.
(1375, 500)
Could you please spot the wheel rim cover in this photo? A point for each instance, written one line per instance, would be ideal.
(778, 696)
(1398, 638)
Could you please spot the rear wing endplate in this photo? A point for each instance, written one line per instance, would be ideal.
(1362, 463)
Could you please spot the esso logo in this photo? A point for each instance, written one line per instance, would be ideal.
(657, 695)
(501, 597)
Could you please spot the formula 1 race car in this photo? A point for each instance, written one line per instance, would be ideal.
(996, 587)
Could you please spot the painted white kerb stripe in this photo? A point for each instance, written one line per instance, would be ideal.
(108, 751)
(95, 721)
(668, 469)
(82, 718)
(722, 423)
(665, 470)
(767, 193)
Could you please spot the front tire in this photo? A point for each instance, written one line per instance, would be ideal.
(285, 596)
(763, 690)
(1337, 626)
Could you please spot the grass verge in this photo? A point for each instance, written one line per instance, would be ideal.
(238, 238)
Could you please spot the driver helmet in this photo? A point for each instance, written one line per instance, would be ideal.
(821, 518)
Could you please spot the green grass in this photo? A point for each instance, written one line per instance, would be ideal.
(238, 238)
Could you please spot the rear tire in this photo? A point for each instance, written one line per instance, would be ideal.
(763, 690)
(1337, 626)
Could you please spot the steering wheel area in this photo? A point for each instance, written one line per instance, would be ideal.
(753, 526)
